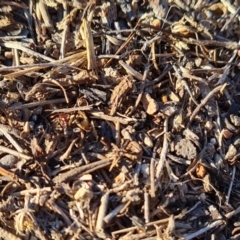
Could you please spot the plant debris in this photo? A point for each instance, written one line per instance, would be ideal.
(119, 119)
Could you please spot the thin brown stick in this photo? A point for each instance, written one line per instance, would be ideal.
(100, 115)
(71, 58)
(8, 174)
(19, 46)
(79, 170)
(231, 184)
(52, 204)
(152, 177)
(32, 191)
(68, 110)
(63, 43)
(204, 230)
(114, 213)
(143, 84)
(59, 85)
(101, 214)
(68, 151)
(229, 45)
(15, 153)
(35, 104)
(146, 207)
(163, 152)
(232, 213)
(11, 140)
(124, 44)
(204, 101)
(45, 15)
(131, 71)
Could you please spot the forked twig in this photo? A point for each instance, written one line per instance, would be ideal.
(204, 101)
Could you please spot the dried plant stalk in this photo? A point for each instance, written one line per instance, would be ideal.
(8, 174)
(19, 46)
(11, 140)
(163, 152)
(79, 170)
(131, 71)
(45, 15)
(15, 153)
(86, 34)
(101, 214)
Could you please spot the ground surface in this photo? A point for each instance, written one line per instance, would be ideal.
(119, 119)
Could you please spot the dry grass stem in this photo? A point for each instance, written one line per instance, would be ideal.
(12, 140)
(15, 153)
(19, 46)
(86, 34)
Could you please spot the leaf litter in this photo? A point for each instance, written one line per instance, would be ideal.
(119, 119)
